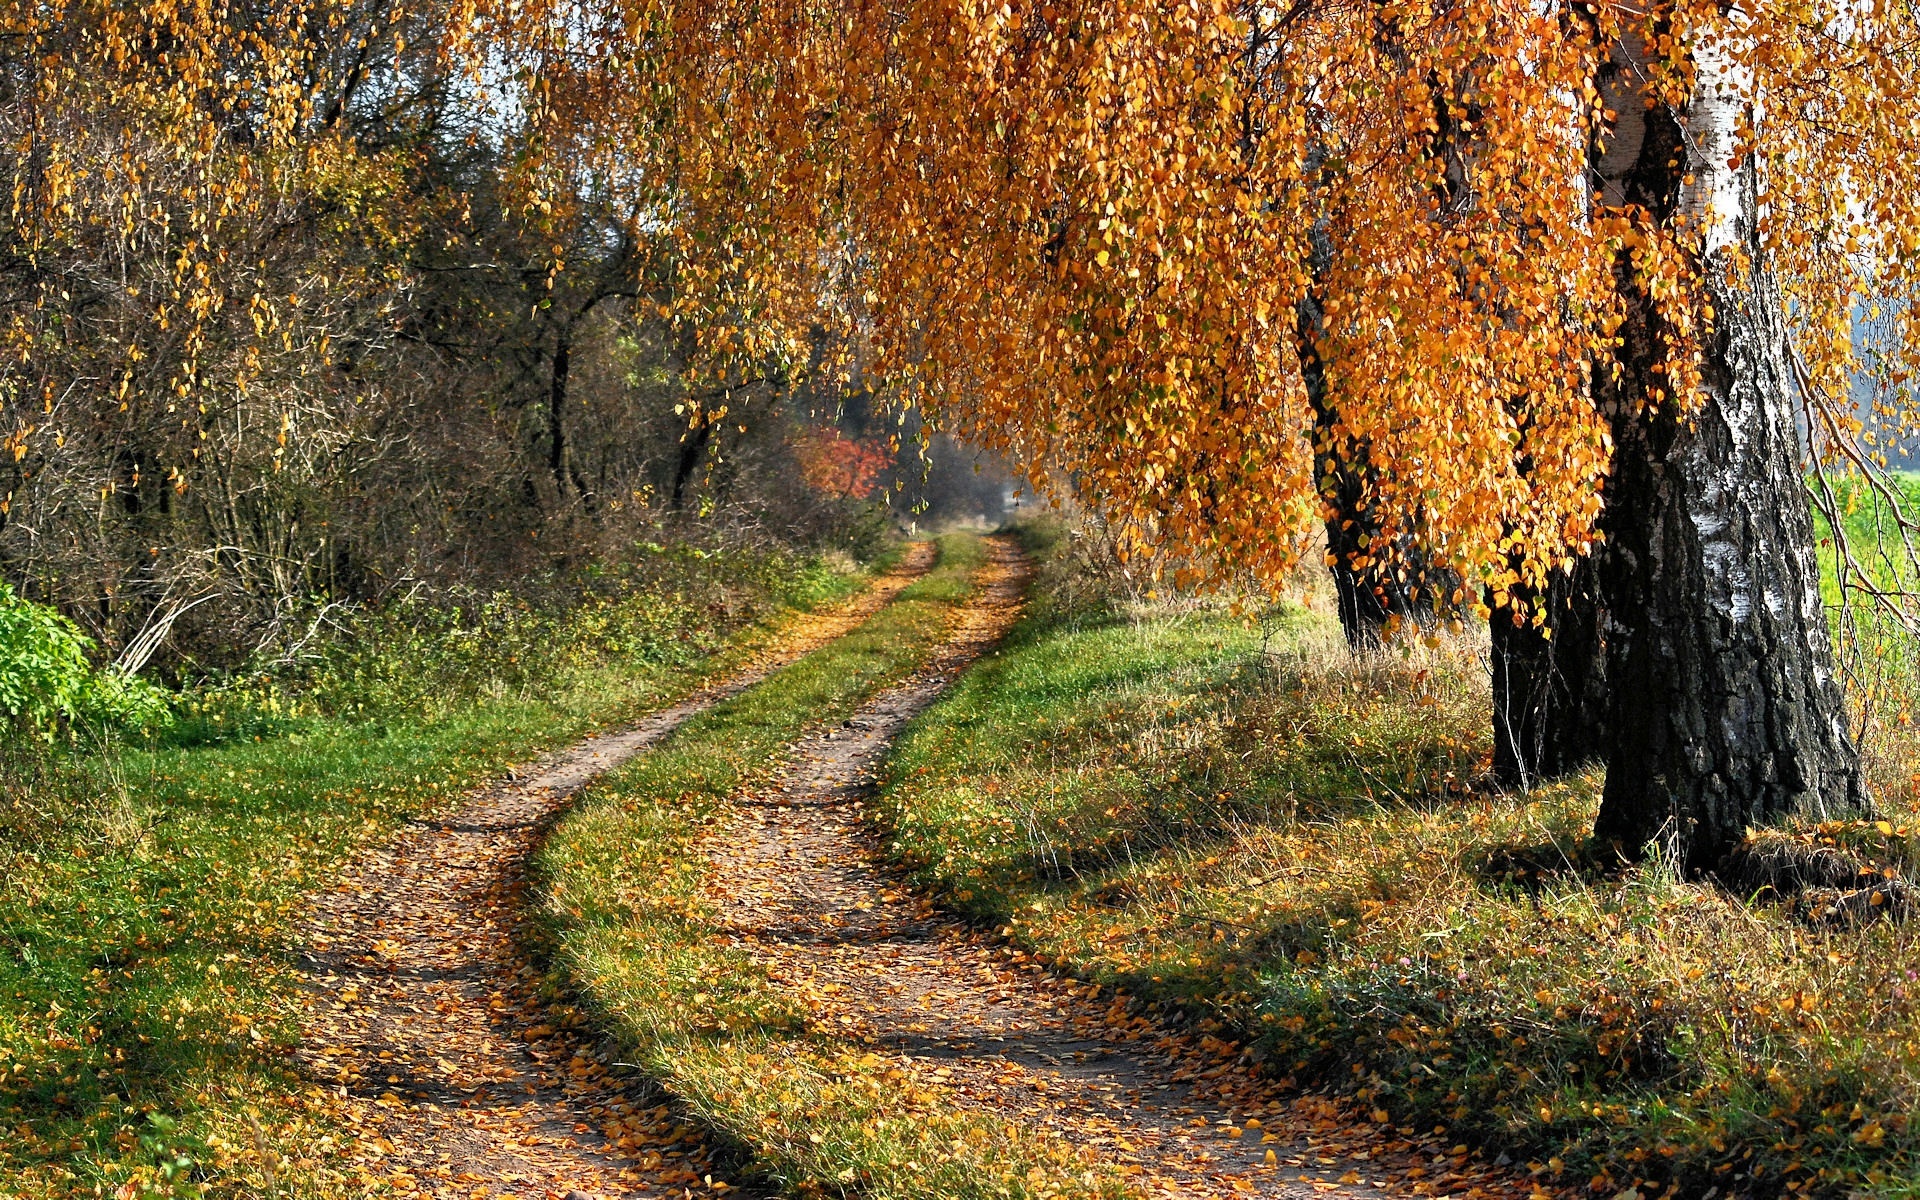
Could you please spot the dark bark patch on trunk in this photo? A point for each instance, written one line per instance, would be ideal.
(1550, 679)
(1377, 579)
(692, 445)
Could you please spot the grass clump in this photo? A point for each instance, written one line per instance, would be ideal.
(426, 656)
(1290, 846)
(622, 879)
(149, 896)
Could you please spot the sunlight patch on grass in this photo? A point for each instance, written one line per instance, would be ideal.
(1294, 848)
(622, 879)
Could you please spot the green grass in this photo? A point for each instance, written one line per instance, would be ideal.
(148, 898)
(1873, 636)
(632, 935)
(1872, 533)
(1280, 847)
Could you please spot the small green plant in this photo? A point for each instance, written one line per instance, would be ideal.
(49, 687)
(172, 1165)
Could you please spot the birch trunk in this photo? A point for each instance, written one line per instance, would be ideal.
(1550, 696)
(1727, 712)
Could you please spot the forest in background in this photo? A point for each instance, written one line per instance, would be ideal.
(289, 334)
(391, 391)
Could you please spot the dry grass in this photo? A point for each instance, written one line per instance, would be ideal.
(1294, 846)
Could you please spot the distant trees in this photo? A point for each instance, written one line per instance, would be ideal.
(291, 318)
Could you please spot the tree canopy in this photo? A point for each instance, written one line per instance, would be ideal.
(1075, 230)
(1079, 230)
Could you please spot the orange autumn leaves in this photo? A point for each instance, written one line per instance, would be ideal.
(1080, 230)
(160, 159)
(838, 465)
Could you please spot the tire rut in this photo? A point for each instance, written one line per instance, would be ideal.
(797, 881)
(422, 1025)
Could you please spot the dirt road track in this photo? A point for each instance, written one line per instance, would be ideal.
(421, 1019)
(796, 877)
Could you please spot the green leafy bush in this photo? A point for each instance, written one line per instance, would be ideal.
(48, 686)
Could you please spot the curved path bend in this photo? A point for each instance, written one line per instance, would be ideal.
(421, 1016)
(424, 1025)
(797, 879)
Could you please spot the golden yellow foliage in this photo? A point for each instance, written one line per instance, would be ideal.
(1080, 230)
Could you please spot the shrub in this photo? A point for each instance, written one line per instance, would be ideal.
(48, 687)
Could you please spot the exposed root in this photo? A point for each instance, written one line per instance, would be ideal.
(1821, 885)
(1888, 900)
(1785, 868)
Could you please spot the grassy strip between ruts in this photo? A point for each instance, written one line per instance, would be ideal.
(1272, 837)
(145, 996)
(621, 879)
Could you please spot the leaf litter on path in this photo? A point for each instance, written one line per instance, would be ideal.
(796, 880)
(424, 1028)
